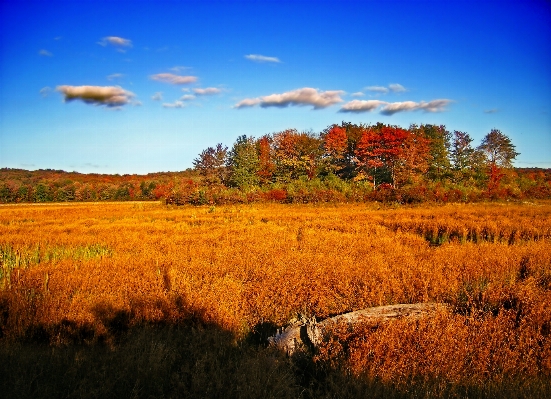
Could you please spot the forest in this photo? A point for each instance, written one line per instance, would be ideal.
(343, 163)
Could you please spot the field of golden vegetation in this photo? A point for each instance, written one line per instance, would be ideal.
(143, 299)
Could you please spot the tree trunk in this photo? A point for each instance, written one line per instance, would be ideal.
(308, 333)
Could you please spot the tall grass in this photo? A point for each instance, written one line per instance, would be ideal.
(96, 278)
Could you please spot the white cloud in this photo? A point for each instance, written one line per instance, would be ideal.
(392, 108)
(434, 105)
(115, 76)
(175, 104)
(377, 89)
(261, 58)
(304, 96)
(111, 96)
(158, 96)
(45, 53)
(137, 103)
(207, 91)
(491, 111)
(431, 106)
(187, 97)
(361, 105)
(173, 79)
(358, 94)
(115, 41)
(396, 88)
(45, 91)
(248, 102)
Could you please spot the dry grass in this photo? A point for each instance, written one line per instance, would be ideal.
(93, 273)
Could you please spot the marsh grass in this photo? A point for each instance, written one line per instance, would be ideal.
(123, 300)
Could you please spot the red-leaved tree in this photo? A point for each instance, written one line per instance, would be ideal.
(380, 150)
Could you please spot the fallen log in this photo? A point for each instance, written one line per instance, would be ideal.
(307, 333)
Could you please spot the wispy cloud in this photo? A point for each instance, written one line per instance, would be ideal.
(173, 79)
(45, 91)
(114, 76)
(358, 94)
(110, 96)
(207, 91)
(180, 68)
(45, 53)
(187, 97)
(358, 106)
(261, 58)
(175, 104)
(378, 89)
(491, 111)
(115, 41)
(387, 108)
(396, 88)
(92, 165)
(304, 96)
(158, 96)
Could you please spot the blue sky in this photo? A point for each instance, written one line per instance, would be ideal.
(143, 86)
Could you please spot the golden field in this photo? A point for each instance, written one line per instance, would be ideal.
(90, 275)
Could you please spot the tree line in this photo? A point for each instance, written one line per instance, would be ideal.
(344, 163)
(385, 156)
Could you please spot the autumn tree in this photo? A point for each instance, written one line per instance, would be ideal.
(211, 164)
(296, 154)
(266, 166)
(379, 151)
(354, 133)
(415, 159)
(390, 154)
(335, 143)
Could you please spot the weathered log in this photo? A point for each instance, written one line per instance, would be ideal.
(308, 333)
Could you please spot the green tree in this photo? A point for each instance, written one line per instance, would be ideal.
(498, 154)
(42, 193)
(243, 164)
(439, 166)
(462, 151)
